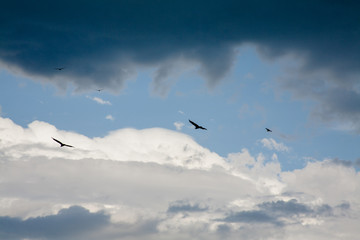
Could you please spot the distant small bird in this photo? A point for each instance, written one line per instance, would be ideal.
(62, 144)
(59, 68)
(196, 126)
(268, 130)
(99, 90)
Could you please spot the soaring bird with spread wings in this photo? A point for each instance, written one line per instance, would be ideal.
(59, 68)
(197, 126)
(62, 144)
(268, 130)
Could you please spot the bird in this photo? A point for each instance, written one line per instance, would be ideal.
(197, 126)
(62, 144)
(59, 68)
(268, 130)
(99, 90)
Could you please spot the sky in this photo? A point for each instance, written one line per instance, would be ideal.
(134, 73)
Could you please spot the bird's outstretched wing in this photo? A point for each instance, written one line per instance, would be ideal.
(57, 141)
(61, 144)
(268, 130)
(196, 125)
(66, 145)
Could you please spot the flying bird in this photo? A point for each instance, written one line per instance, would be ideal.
(59, 68)
(62, 144)
(196, 126)
(99, 90)
(268, 130)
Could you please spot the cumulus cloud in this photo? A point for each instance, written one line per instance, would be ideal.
(157, 183)
(332, 178)
(179, 125)
(271, 144)
(100, 101)
(149, 145)
(110, 117)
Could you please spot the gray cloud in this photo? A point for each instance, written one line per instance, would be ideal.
(68, 222)
(344, 206)
(340, 106)
(336, 95)
(345, 163)
(186, 206)
(254, 216)
(100, 44)
(276, 212)
(291, 207)
(294, 208)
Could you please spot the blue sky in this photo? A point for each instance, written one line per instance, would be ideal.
(139, 169)
(236, 111)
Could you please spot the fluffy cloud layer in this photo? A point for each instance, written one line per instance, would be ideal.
(160, 184)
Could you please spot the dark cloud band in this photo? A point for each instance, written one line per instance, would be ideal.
(99, 42)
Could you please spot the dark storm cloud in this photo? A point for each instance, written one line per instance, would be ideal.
(339, 105)
(68, 222)
(101, 42)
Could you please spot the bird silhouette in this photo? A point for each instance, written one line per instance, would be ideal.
(59, 68)
(62, 144)
(268, 130)
(197, 126)
(99, 90)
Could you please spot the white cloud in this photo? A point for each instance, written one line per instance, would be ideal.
(179, 125)
(323, 181)
(271, 144)
(99, 100)
(160, 184)
(110, 117)
(149, 145)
